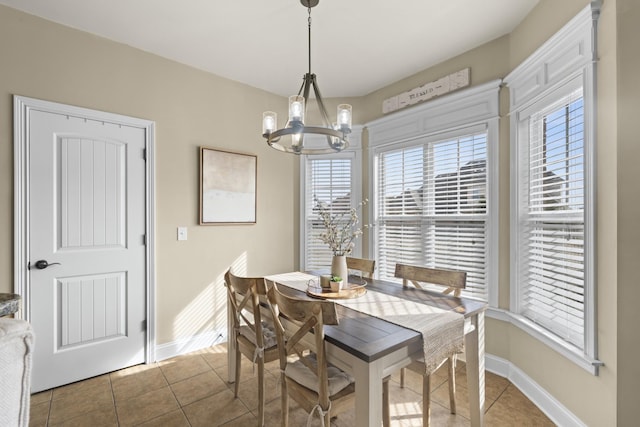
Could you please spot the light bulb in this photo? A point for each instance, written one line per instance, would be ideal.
(344, 117)
(296, 108)
(269, 122)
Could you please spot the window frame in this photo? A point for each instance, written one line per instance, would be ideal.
(562, 64)
(354, 152)
(429, 221)
(458, 113)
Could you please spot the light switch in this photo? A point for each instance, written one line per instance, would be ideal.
(182, 233)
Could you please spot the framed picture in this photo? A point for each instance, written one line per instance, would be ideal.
(227, 187)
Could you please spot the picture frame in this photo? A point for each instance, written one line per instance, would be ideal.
(228, 193)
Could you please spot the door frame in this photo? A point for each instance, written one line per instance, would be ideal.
(21, 107)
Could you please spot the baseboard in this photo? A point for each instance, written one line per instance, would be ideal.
(187, 345)
(548, 404)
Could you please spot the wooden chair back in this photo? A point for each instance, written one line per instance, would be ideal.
(453, 281)
(367, 266)
(247, 307)
(244, 297)
(308, 316)
(294, 320)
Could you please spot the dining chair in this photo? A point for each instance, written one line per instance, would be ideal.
(421, 277)
(366, 266)
(314, 384)
(254, 337)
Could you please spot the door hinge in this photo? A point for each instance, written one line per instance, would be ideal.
(144, 239)
(144, 154)
(143, 325)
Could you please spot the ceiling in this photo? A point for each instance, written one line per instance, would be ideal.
(358, 46)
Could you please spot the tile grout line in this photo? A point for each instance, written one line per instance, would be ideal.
(184, 414)
(496, 399)
(113, 400)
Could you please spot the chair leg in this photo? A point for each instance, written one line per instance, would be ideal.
(402, 377)
(426, 400)
(261, 391)
(451, 362)
(238, 367)
(284, 402)
(327, 419)
(386, 416)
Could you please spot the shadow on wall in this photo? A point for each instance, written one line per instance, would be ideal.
(204, 319)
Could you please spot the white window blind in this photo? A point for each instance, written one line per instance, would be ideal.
(432, 208)
(551, 229)
(330, 181)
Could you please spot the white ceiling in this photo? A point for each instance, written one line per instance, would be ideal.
(358, 46)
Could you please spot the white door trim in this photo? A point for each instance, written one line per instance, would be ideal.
(21, 107)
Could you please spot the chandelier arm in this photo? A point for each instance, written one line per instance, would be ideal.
(308, 82)
(320, 102)
(304, 82)
(322, 108)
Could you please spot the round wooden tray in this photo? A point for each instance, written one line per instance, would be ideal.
(350, 290)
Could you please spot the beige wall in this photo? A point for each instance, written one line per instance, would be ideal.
(487, 62)
(191, 108)
(628, 203)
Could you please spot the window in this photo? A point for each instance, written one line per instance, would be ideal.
(330, 182)
(552, 198)
(334, 180)
(551, 226)
(434, 182)
(432, 207)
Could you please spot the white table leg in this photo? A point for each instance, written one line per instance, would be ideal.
(474, 352)
(368, 394)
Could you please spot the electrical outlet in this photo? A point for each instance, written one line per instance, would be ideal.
(182, 233)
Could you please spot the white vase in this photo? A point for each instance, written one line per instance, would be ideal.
(339, 267)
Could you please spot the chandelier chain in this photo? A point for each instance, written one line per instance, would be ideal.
(309, 37)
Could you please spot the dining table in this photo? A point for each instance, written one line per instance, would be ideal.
(371, 348)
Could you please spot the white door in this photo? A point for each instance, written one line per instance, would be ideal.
(86, 247)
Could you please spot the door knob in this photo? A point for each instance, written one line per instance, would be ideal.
(43, 263)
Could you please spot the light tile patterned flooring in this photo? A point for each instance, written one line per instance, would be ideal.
(191, 390)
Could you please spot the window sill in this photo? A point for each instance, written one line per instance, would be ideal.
(588, 364)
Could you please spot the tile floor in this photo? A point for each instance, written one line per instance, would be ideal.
(191, 390)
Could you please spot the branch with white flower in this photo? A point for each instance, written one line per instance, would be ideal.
(340, 230)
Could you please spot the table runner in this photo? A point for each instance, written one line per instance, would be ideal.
(442, 331)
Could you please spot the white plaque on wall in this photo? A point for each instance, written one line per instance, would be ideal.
(427, 91)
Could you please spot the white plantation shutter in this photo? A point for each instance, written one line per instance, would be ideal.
(552, 227)
(553, 197)
(432, 208)
(329, 180)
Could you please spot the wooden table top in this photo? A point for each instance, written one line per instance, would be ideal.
(370, 338)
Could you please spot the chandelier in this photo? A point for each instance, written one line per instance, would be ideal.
(291, 138)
